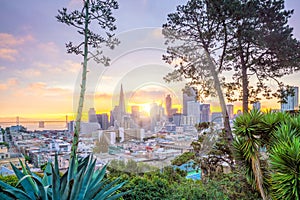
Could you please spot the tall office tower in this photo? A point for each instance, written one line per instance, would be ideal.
(256, 105)
(204, 112)
(92, 115)
(230, 108)
(119, 111)
(177, 119)
(122, 102)
(135, 112)
(154, 115)
(193, 109)
(71, 126)
(189, 95)
(103, 120)
(169, 106)
(112, 118)
(292, 101)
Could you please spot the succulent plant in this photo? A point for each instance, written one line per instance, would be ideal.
(80, 181)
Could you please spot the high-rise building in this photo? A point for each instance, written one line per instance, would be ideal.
(92, 115)
(135, 112)
(187, 96)
(230, 108)
(193, 109)
(177, 119)
(103, 120)
(119, 111)
(204, 112)
(71, 126)
(256, 105)
(169, 106)
(122, 102)
(292, 101)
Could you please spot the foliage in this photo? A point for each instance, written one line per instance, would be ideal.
(95, 13)
(212, 151)
(183, 158)
(285, 162)
(278, 168)
(80, 181)
(10, 179)
(261, 45)
(193, 36)
(249, 38)
(119, 167)
(169, 184)
(248, 129)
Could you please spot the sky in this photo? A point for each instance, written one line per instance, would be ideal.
(39, 80)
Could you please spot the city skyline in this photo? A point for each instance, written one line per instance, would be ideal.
(38, 78)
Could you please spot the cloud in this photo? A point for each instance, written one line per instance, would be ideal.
(8, 54)
(8, 40)
(2, 68)
(42, 89)
(29, 72)
(8, 84)
(9, 45)
(71, 66)
(49, 48)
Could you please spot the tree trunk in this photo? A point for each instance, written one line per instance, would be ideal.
(258, 175)
(82, 86)
(245, 82)
(221, 97)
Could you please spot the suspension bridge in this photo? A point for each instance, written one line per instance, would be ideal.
(39, 123)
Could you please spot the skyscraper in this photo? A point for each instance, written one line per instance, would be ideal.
(103, 120)
(169, 106)
(193, 109)
(292, 101)
(187, 96)
(122, 102)
(205, 112)
(92, 115)
(119, 111)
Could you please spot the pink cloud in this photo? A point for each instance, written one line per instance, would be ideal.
(8, 54)
(49, 48)
(8, 84)
(8, 40)
(9, 44)
(41, 89)
(29, 72)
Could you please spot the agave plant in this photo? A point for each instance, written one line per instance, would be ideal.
(81, 181)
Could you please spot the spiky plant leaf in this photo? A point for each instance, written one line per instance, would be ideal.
(26, 184)
(13, 191)
(87, 180)
(285, 163)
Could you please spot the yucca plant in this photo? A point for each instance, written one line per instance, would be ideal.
(285, 161)
(248, 129)
(81, 181)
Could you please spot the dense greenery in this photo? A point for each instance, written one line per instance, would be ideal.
(170, 183)
(250, 38)
(183, 158)
(267, 145)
